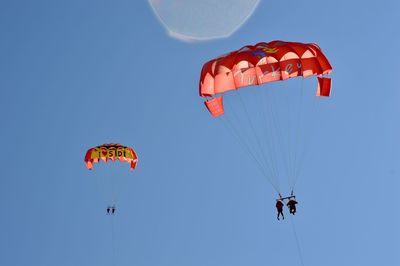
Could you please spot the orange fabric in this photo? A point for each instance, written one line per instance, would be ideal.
(215, 106)
(111, 152)
(324, 86)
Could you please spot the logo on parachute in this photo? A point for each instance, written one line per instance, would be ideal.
(102, 152)
(264, 51)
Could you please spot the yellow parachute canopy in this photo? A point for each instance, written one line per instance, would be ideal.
(111, 152)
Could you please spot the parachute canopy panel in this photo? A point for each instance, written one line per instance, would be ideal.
(324, 86)
(262, 63)
(111, 152)
(215, 106)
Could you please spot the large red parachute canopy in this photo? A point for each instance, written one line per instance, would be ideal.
(111, 152)
(259, 64)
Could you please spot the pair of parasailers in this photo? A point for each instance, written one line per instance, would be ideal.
(291, 205)
(111, 209)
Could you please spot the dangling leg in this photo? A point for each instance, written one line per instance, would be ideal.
(280, 213)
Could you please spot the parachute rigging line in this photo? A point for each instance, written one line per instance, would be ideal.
(114, 252)
(297, 242)
(229, 125)
(269, 162)
(252, 151)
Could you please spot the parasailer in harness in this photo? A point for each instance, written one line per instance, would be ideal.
(292, 205)
(279, 208)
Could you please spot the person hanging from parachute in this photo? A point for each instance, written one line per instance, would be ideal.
(111, 152)
(292, 206)
(279, 208)
(291, 203)
(258, 64)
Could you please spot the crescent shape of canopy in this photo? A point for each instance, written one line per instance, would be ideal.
(113, 152)
(194, 20)
(259, 64)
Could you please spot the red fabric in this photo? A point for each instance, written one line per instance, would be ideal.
(259, 64)
(276, 57)
(324, 86)
(215, 106)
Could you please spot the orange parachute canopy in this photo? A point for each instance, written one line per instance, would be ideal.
(259, 64)
(111, 152)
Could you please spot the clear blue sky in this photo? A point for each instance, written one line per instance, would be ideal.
(76, 74)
